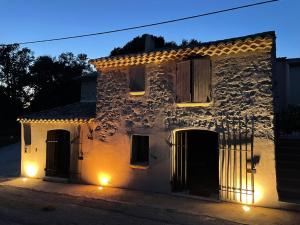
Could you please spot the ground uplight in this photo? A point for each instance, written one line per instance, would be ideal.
(104, 179)
(246, 208)
(31, 170)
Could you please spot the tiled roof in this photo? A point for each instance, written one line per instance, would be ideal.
(76, 112)
(255, 42)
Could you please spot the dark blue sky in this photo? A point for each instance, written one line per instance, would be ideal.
(40, 19)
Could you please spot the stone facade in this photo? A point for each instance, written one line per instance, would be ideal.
(241, 85)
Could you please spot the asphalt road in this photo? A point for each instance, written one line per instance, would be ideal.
(10, 160)
(22, 206)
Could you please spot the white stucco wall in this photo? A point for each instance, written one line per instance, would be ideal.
(34, 156)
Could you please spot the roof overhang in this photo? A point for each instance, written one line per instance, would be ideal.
(75, 120)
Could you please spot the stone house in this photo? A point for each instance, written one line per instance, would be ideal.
(196, 120)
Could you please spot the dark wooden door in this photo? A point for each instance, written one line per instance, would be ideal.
(58, 153)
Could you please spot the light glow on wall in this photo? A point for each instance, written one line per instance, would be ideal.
(31, 169)
(247, 198)
(104, 179)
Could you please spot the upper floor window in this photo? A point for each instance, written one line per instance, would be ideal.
(137, 78)
(193, 81)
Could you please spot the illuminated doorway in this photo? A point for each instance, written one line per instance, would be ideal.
(195, 163)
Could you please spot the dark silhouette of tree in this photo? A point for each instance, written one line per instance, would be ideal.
(189, 43)
(14, 92)
(54, 80)
(137, 45)
(14, 72)
(10, 109)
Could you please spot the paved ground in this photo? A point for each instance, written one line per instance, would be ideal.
(10, 156)
(154, 203)
(23, 206)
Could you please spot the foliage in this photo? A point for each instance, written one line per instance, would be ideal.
(54, 80)
(10, 109)
(14, 71)
(137, 45)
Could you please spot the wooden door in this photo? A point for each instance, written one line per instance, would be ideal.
(58, 153)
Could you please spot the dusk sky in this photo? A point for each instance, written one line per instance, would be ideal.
(35, 19)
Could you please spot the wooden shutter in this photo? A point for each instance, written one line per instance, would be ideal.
(183, 81)
(137, 78)
(201, 80)
(27, 134)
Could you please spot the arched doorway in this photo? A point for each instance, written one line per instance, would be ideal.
(195, 163)
(58, 153)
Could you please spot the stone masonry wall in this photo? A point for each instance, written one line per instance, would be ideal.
(241, 85)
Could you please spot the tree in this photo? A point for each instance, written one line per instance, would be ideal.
(54, 80)
(10, 110)
(137, 45)
(14, 93)
(14, 72)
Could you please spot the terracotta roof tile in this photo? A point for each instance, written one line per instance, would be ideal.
(255, 42)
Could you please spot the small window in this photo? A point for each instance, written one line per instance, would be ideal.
(139, 150)
(193, 81)
(27, 134)
(137, 78)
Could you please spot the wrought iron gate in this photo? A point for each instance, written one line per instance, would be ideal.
(179, 164)
(236, 162)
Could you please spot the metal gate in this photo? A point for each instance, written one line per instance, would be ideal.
(179, 165)
(236, 162)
